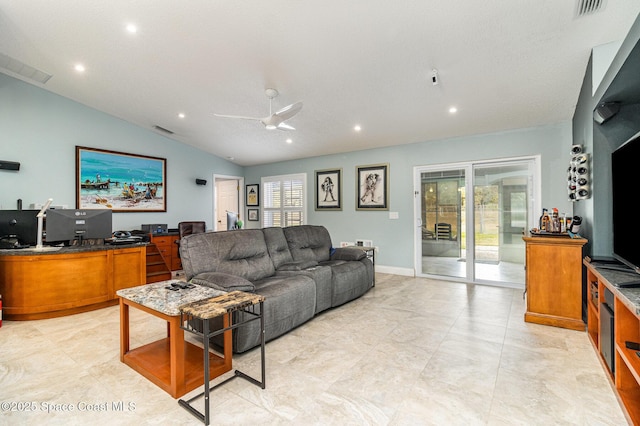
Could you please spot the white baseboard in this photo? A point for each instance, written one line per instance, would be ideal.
(407, 272)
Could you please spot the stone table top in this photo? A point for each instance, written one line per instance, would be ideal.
(157, 297)
(629, 296)
(220, 305)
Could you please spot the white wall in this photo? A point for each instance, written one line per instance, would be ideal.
(40, 130)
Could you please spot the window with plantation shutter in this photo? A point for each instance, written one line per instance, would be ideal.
(283, 200)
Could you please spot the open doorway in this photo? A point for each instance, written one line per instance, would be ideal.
(226, 197)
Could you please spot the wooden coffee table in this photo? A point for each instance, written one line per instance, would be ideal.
(171, 363)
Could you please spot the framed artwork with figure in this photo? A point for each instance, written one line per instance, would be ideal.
(252, 195)
(328, 189)
(372, 187)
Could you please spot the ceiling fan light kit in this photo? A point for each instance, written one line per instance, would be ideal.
(274, 120)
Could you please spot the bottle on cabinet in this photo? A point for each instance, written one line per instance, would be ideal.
(553, 222)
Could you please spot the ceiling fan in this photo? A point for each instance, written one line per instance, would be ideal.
(275, 120)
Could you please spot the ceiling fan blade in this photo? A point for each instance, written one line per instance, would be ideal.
(242, 117)
(289, 111)
(285, 126)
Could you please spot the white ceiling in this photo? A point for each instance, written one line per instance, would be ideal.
(504, 64)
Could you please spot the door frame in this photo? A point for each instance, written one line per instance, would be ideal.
(469, 167)
(218, 177)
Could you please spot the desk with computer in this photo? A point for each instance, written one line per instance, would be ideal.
(31, 230)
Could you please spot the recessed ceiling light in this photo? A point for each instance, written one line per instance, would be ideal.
(79, 68)
(453, 110)
(357, 128)
(132, 28)
(181, 115)
(289, 140)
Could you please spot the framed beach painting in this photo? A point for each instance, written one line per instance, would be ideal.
(372, 187)
(329, 189)
(119, 181)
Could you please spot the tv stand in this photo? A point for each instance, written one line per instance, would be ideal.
(625, 378)
(627, 284)
(619, 267)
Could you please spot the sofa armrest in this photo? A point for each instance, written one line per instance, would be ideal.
(222, 281)
(348, 253)
(297, 265)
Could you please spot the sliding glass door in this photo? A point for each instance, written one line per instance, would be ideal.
(471, 218)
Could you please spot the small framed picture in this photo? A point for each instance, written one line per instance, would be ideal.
(253, 215)
(372, 187)
(252, 195)
(329, 189)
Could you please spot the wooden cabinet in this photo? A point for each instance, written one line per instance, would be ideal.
(626, 327)
(53, 284)
(554, 281)
(168, 248)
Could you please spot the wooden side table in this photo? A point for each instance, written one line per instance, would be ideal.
(171, 363)
(205, 310)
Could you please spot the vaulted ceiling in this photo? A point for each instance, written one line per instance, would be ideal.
(503, 64)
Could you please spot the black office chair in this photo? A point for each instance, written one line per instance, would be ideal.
(188, 228)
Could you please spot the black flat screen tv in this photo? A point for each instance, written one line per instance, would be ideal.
(624, 174)
(67, 225)
(19, 224)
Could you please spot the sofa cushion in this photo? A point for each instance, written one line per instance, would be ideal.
(277, 246)
(308, 242)
(297, 265)
(241, 252)
(349, 280)
(289, 302)
(222, 281)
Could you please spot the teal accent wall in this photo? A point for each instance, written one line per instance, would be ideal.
(41, 130)
(395, 237)
(620, 83)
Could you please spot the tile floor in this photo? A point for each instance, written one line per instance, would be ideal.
(412, 351)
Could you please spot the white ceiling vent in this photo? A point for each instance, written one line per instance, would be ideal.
(23, 70)
(587, 7)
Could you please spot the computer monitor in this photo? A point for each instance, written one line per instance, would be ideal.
(232, 221)
(19, 224)
(67, 225)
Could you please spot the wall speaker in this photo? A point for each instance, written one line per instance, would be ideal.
(201, 182)
(9, 165)
(576, 149)
(578, 176)
(605, 111)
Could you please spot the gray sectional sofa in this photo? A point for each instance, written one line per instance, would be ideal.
(296, 268)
